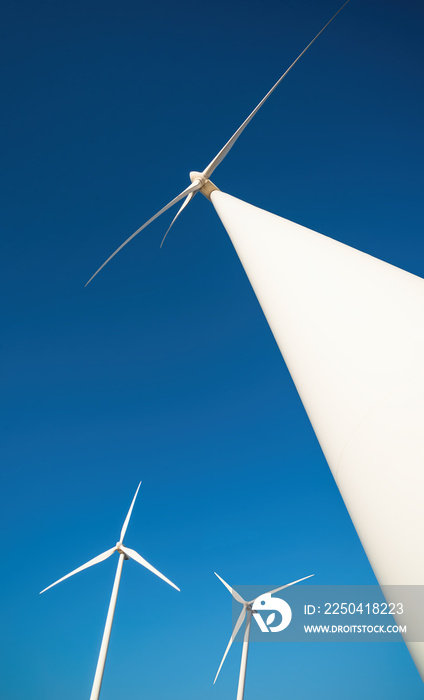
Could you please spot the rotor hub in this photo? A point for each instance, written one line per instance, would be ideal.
(194, 175)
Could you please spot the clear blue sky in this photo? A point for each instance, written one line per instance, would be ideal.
(164, 368)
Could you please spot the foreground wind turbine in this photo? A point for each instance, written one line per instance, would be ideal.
(200, 181)
(351, 330)
(124, 553)
(247, 613)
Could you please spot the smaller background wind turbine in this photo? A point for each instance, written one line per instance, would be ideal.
(124, 553)
(247, 613)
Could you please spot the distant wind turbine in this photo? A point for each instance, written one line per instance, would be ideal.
(124, 553)
(247, 613)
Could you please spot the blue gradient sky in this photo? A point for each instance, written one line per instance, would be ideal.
(164, 368)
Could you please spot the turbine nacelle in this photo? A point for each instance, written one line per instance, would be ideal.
(120, 549)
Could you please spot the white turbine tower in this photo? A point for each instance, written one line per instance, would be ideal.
(124, 553)
(246, 613)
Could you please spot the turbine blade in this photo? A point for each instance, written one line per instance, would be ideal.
(134, 555)
(193, 187)
(92, 562)
(228, 146)
(127, 519)
(234, 593)
(233, 636)
(275, 590)
(183, 206)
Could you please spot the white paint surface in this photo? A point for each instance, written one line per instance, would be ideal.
(351, 330)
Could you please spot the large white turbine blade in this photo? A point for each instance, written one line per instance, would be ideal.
(183, 206)
(234, 593)
(233, 636)
(127, 519)
(192, 188)
(228, 146)
(92, 562)
(275, 590)
(134, 555)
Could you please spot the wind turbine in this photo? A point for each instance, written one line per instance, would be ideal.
(350, 328)
(246, 613)
(124, 553)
